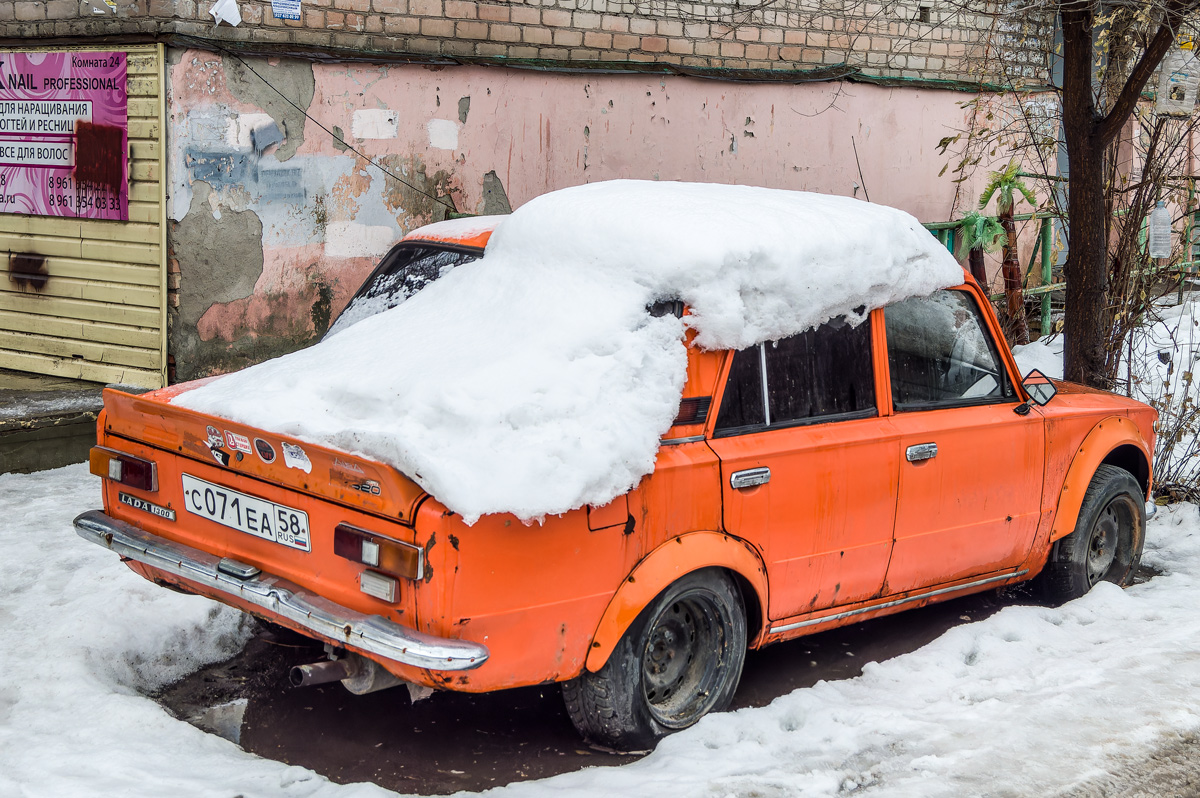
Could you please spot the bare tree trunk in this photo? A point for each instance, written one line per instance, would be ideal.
(1012, 282)
(1086, 267)
(975, 261)
(1088, 133)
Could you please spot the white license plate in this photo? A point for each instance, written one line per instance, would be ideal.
(248, 514)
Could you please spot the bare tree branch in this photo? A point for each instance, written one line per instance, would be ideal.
(1164, 38)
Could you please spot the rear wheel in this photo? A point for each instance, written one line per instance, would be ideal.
(1106, 545)
(679, 660)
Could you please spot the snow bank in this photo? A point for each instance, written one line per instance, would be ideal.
(1027, 703)
(82, 641)
(1044, 354)
(1164, 354)
(534, 381)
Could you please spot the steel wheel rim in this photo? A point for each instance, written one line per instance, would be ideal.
(1104, 543)
(680, 675)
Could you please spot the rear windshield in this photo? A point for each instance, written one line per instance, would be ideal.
(404, 271)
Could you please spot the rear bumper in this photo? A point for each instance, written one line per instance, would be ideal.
(368, 633)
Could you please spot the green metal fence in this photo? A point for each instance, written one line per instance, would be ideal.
(947, 234)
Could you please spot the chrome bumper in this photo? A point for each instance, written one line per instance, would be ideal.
(370, 633)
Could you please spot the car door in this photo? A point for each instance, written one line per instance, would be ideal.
(809, 466)
(971, 455)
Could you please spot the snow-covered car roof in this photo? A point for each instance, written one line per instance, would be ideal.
(534, 380)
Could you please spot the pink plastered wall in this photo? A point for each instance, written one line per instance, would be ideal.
(542, 131)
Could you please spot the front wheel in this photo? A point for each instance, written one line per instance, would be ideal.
(679, 660)
(1106, 545)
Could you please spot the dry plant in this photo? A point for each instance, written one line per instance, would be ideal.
(1163, 376)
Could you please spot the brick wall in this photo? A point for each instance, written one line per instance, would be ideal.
(917, 39)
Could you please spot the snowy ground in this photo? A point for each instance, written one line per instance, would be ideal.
(1029, 702)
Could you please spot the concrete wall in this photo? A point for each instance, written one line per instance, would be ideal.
(920, 39)
(265, 247)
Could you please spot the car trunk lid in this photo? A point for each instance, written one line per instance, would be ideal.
(347, 479)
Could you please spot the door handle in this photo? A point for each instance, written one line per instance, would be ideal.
(750, 478)
(922, 451)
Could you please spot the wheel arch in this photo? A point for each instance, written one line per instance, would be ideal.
(1114, 441)
(671, 561)
(1133, 460)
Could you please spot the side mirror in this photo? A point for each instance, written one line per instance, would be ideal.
(1039, 387)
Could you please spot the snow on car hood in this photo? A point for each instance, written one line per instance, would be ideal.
(534, 381)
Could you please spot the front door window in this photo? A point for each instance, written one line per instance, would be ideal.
(940, 356)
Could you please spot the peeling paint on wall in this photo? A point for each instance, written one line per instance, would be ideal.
(280, 78)
(237, 134)
(495, 200)
(224, 259)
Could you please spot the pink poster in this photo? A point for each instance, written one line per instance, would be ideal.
(64, 134)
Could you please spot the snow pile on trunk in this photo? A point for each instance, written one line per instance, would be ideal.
(534, 381)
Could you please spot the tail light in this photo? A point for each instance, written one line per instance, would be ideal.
(392, 557)
(123, 468)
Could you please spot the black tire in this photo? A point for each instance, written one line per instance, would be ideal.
(1106, 545)
(680, 659)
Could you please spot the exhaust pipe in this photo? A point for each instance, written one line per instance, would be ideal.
(357, 674)
(333, 670)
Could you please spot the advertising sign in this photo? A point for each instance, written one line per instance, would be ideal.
(64, 134)
(285, 9)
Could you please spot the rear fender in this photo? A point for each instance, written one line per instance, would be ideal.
(672, 560)
(1104, 439)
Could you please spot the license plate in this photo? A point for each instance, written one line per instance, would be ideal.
(248, 514)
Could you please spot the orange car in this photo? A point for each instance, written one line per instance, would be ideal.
(841, 474)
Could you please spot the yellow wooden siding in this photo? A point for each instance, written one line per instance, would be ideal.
(101, 313)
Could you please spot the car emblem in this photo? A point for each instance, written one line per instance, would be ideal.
(355, 467)
(367, 486)
(266, 452)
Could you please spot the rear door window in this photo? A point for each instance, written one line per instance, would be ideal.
(819, 375)
(404, 271)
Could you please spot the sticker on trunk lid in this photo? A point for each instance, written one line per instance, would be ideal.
(239, 443)
(295, 457)
(266, 452)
